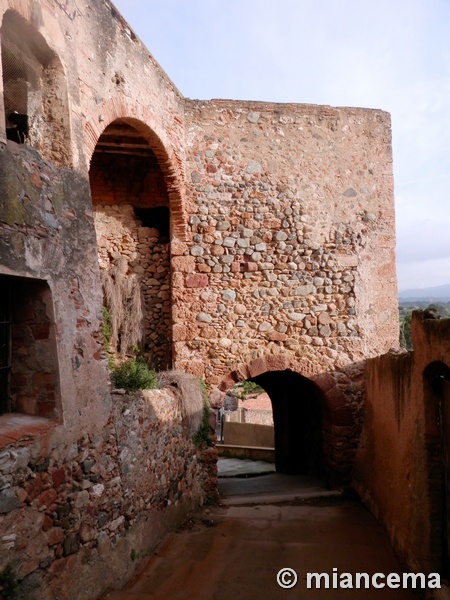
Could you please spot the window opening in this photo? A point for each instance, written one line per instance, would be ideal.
(34, 90)
(157, 217)
(29, 382)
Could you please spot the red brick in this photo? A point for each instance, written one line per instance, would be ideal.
(55, 536)
(26, 405)
(41, 331)
(47, 524)
(57, 566)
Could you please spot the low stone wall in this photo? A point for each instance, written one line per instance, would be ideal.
(75, 519)
(265, 454)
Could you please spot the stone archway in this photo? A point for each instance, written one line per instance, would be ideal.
(133, 221)
(169, 158)
(315, 399)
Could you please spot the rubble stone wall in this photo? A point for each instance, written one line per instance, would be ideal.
(76, 517)
(120, 234)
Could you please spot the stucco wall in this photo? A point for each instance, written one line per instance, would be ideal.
(399, 469)
(248, 434)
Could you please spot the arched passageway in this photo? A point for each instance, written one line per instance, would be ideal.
(297, 415)
(132, 220)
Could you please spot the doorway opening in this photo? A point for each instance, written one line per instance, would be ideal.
(290, 405)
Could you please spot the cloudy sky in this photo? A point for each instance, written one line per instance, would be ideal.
(390, 54)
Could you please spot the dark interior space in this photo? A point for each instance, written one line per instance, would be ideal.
(157, 217)
(296, 405)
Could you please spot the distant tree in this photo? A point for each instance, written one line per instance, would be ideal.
(405, 331)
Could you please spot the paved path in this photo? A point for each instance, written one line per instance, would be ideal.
(234, 552)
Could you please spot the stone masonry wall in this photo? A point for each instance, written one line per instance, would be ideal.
(120, 234)
(75, 517)
(291, 244)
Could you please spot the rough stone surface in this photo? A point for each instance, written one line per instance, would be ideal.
(276, 211)
(139, 471)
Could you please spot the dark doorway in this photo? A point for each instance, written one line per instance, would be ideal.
(296, 405)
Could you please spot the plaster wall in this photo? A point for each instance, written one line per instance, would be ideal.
(399, 470)
(248, 434)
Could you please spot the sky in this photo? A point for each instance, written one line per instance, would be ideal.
(392, 55)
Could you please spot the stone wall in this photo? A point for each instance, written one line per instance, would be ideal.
(291, 247)
(400, 464)
(282, 259)
(120, 234)
(76, 517)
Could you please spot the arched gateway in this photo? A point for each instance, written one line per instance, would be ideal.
(313, 423)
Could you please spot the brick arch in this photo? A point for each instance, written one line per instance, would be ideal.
(169, 159)
(336, 410)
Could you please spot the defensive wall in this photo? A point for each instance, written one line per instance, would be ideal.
(402, 467)
(262, 238)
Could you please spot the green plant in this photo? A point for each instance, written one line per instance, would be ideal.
(134, 374)
(211, 500)
(244, 389)
(8, 583)
(106, 328)
(134, 555)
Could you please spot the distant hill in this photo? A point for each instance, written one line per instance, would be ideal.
(439, 293)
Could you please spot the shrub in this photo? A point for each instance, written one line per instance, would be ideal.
(246, 388)
(134, 374)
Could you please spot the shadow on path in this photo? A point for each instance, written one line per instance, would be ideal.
(264, 524)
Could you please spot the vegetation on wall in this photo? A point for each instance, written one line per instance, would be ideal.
(8, 583)
(203, 437)
(405, 312)
(134, 374)
(246, 389)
